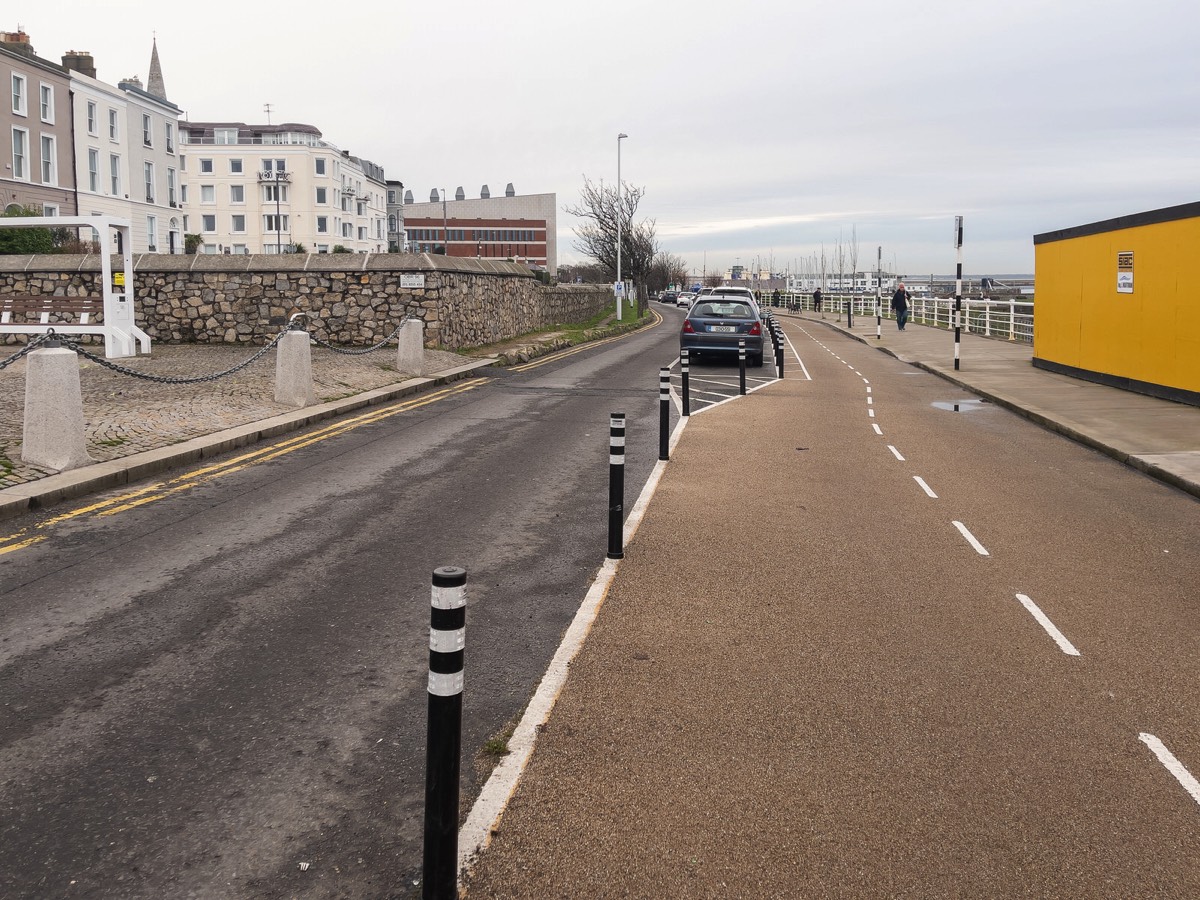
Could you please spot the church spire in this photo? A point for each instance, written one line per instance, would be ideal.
(155, 84)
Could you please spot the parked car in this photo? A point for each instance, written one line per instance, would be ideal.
(716, 323)
(685, 300)
(668, 297)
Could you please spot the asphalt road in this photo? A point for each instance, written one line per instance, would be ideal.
(215, 685)
(833, 683)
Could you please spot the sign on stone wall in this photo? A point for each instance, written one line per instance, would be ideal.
(412, 280)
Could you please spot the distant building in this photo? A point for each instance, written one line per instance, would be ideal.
(518, 227)
(273, 188)
(397, 240)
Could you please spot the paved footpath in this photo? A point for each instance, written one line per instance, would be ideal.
(685, 756)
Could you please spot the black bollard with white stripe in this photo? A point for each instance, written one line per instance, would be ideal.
(779, 352)
(742, 366)
(447, 639)
(683, 368)
(958, 241)
(664, 414)
(616, 485)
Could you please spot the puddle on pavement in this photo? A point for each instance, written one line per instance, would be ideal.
(960, 405)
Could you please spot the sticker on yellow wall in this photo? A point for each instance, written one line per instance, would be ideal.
(1124, 271)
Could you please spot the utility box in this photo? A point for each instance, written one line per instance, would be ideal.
(1116, 301)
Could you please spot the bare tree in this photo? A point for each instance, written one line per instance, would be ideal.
(666, 269)
(602, 207)
(852, 258)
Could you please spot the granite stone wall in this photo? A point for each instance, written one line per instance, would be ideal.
(353, 299)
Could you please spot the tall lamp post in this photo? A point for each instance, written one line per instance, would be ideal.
(620, 216)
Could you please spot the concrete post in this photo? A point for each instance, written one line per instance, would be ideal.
(410, 357)
(293, 370)
(53, 434)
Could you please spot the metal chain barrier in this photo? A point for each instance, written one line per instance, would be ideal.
(387, 340)
(167, 379)
(33, 344)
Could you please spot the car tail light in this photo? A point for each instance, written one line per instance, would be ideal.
(687, 327)
(756, 328)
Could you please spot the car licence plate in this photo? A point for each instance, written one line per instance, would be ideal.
(723, 328)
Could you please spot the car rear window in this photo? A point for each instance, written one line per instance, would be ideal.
(725, 309)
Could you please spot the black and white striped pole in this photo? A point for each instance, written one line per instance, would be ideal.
(443, 751)
(683, 368)
(958, 241)
(616, 485)
(742, 366)
(879, 296)
(664, 414)
(779, 351)
(849, 310)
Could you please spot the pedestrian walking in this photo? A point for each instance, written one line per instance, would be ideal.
(900, 305)
(817, 299)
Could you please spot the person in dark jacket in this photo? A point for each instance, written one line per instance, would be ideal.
(817, 299)
(900, 305)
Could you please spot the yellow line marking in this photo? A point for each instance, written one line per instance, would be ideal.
(579, 348)
(161, 489)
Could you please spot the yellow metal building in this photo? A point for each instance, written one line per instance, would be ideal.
(1118, 302)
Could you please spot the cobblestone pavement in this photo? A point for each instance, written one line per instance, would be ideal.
(124, 415)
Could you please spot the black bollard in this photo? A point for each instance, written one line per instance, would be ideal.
(742, 366)
(447, 638)
(664, 414)
(683, 367)
(779, 355)
(616, 485)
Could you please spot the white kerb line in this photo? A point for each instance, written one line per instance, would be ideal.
(1174, 766)
(926, 488)
(797, 355)
(979, 548)
(896, 453)
(1059, 638)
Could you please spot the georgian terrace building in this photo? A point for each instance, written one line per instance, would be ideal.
(278, 189)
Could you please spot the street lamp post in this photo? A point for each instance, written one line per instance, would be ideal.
(620, 216)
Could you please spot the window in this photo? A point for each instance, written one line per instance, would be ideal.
(152, 233)
(171, 187)
(240, 250)
(235, 167)
(114, 174)
(322, 224)
(362, 208)
(49, 160)
(391, 223)
(237, 193)
(321, 196)
(92, 125)
(114, 132)
(206, 166)
(148, 173)
(208, 193)
(239, 224)
(49, 209)
(322, 248)
(275, 192)
(210, 249)
(347, 230)
(392, 199)
(225, 135)
(362, 233)
(147, 131)
(320, 166)
(170, 137)
(20, 141)
(94, 171)
(47, 103)
(208, 224)
(19, 98)
(275, 223)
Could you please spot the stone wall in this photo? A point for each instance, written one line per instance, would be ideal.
(354, 299)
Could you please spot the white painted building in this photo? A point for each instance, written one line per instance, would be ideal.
(127, 161)
(278, 189)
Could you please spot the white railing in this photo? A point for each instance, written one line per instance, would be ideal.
(1005, 319)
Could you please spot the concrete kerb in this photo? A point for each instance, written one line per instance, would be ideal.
(115, 473)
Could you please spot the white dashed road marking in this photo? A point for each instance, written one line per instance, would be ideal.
(979, 548)
(896, 453)
(1059, 638)
(926, 488)
(1174, 766)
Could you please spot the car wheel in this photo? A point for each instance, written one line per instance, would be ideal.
(757, 361)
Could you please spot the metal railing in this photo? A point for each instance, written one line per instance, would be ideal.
(1004, 319)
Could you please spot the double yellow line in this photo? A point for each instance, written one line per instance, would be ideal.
(579, 348)
(27, 537)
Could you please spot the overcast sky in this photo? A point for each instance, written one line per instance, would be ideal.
(759, 130)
